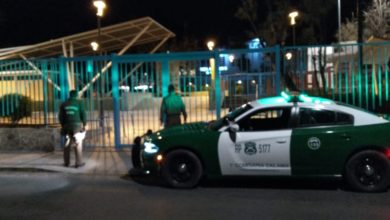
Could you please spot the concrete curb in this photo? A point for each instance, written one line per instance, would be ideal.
(99, 162)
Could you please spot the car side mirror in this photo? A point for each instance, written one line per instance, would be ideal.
(233, 128)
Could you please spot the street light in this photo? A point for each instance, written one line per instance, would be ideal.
(293, 16)
(96, 46)
(210, 45)
(289, 56)
(100, 5)
(339, 18)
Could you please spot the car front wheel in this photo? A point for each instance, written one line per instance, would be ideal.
(368, 171)
(182, 169)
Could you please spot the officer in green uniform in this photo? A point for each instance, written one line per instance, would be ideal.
(73, 120)
(171, 108)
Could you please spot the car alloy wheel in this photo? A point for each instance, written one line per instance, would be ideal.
(368, 171)
(182, 169)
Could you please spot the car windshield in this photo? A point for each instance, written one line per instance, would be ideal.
(216, 125)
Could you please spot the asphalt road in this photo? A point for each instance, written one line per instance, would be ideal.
(58, 196)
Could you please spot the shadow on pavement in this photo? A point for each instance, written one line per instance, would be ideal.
(252, 182)
(143, 179)
(276, 183)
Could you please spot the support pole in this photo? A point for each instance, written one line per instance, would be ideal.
(39, 71)
(121, 52)
(360, 33)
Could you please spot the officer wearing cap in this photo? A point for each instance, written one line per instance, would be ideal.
(73, 120)
(172, 107)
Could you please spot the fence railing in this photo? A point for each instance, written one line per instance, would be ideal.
(122, 94)
(356, 74)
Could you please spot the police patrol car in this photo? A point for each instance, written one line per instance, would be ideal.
(299, 136)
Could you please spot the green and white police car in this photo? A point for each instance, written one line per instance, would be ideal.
(298, 136)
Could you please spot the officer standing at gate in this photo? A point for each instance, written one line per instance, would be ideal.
(73, 120)
(172, 107)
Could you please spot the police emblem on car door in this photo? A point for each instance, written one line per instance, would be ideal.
(261, 145)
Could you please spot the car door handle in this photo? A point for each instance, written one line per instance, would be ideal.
(281, 141)
(346, 137)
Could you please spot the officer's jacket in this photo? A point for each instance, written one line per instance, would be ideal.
(172, 104)
(72, 115)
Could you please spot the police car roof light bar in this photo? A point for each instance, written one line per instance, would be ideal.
(301, 97)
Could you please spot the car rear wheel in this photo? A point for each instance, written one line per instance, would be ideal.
(182, 169)
(368, 171)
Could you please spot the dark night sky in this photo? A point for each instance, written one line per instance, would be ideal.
(33, 21)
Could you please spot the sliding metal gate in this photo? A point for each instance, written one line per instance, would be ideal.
(210, 83)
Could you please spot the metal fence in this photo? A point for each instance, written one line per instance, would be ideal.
(355, 74)
(123, 94)
(208, 82)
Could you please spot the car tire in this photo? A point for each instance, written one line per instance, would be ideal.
(368, 171)
(182, 169)
(135, 152)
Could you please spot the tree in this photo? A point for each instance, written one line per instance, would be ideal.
(185, 43)
(348, 30)
(314, 21)
(376, 19)
(15, 107)
(248, 12)
(272, 24)
(272, 27)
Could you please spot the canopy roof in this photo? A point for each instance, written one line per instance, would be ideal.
(116, 38)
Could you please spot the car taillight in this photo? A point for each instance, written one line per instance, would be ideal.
(387, 152)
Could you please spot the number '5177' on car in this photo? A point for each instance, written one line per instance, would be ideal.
(297, 136)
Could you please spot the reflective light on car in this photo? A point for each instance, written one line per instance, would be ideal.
(159, 137)
(305, 98)
(285, 96)
(150, 148)
(319, 107)
(272, 100)
(329, 132)
(317, 100)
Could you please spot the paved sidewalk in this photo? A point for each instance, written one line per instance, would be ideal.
(98, 161)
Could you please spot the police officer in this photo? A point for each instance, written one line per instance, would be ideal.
(172, 107)
(73, 119)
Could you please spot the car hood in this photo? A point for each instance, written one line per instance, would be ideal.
(188, 128)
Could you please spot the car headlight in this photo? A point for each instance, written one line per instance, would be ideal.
(150, 148)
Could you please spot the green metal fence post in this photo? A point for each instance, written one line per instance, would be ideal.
(217, 85)
(64, 87)
(277, 52)
(63, 82)
(45, 95)
(165, 77)
(115, 99)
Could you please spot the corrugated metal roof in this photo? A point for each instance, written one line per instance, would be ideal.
(113, 39)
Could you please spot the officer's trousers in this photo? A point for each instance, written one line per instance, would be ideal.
(70, 143)
(172, 120)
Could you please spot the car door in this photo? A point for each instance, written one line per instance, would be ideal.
(318, 141)
(261, 145)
